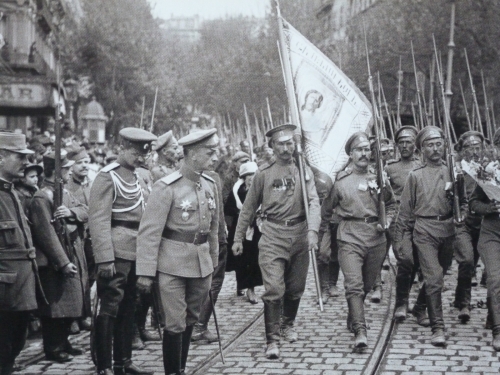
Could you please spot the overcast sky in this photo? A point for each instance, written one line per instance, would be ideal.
(209, 9)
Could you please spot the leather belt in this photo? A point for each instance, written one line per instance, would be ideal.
(125, 224)
(368, 220)
(438, 217)
(194, 238)
(27, 254)
(287, 223)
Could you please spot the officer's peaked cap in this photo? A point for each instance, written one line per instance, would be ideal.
(429, 132)
(200, 138)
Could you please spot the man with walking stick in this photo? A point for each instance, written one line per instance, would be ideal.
(286, 234)
(178, 244)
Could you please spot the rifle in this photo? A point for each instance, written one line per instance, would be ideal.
(465, 105)
(420, 113)
(474, 96)
(60, 224)
(151, 127)
(382, 219)
(489, 129)
(400, 78)
(450, 159)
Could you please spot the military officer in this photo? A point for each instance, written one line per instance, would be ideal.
(17, 265)
(470, 145)
(178, 243)
(63, 268)
(407, 259)
(117, 201)
(169, 155)
(427, 198)
(286, 235)
(489, 248)
(361, 239)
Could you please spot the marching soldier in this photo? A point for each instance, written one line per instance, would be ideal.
(169, 155)
(489, 248)
(17, 254)
(63, 268)
(286, 235)
(427, 198)
(178, 244)
(405, 252)
(361, 239)
(117, 201)
(470, 145)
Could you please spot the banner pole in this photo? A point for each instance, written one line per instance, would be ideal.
(294, 111)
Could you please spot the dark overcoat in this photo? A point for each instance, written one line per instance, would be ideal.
(64, 294)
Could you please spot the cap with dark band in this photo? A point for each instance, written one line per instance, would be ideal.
(406, 131)
(355, 140)
(77, 153)
(200, 138)
(139, 139)
(470, 138)
(429, 132)
(164, 140)
(282, 133)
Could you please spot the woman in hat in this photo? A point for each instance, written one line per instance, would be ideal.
(248, 274)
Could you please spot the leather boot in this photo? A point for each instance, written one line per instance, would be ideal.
(146, 335)
(272, 314)
(172, 352)
(419, 308)
(122, 351)
(489, 316)
(435, 309)
(357, 313)
(360, 340)
(290, 308)
(186, 341)
(324, 276)
(496, 338)
(403, 286)
(103, 337)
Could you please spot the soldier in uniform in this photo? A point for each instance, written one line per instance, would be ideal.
(168, 151)
(361, 239)
(489, 248)
(470, 145)
(17, 264)
(286, 235)
(117, 201)
(405, 252)
(79, 186)
(427, 198)
(178, 243)
(63, 268)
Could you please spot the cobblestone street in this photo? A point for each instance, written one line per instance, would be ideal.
(324, 346)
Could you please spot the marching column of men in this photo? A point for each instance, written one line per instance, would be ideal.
(171, 239)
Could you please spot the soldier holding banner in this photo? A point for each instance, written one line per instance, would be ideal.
(286, 235)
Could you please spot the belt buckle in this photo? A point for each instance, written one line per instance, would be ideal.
(439, 217)
(287, 223)
(195, 240)
(367, 220)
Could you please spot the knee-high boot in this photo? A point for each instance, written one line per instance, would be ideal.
(290, 308)
(172, 352)
(186, 341)
(103, 342)
(357, 315)
(435, 309)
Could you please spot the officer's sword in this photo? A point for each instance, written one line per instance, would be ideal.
(156, 305)
(216, 325)
(92, 328)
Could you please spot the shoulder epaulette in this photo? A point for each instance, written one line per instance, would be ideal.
(419, 166)
(346, 172)
(207, 177)
(393, 161)
(267, 165)
(171, 178)
(110, 167)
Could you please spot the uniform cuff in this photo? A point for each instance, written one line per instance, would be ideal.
(146, 269)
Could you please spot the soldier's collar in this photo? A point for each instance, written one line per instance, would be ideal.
(5, 185)
(189, 173)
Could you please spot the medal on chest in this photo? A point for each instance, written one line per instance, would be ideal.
(185, 206)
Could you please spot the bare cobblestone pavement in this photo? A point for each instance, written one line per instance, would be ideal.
(324, 346)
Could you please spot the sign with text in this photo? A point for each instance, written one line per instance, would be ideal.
(29, 95)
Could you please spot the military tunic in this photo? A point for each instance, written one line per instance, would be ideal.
(178, 239)
(489, 247)
(283, 247)
(427, 198)
(355, 199)
(160, 171)
(17, 277)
